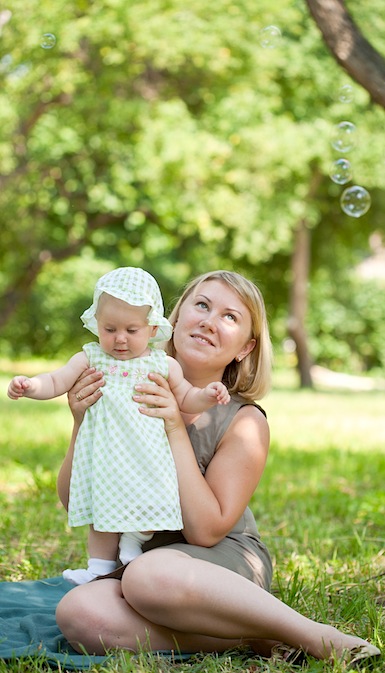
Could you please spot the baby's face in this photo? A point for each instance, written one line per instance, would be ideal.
(124, 331)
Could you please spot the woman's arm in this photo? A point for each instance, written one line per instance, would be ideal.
(87, 388)
(212, 504)
(64, 475)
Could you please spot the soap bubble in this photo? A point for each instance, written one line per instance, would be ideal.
(343, 138)
(346, 93)
(341, 171)
(5, 16)
(355, 201)
(269, 37)
(48, 41)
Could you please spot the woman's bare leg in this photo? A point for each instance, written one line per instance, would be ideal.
(171, 588)
(96, 617)
(170, 596)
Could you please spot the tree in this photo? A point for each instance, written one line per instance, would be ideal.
(367, 67)
(165, 137)
(121, 134)
(349, 46)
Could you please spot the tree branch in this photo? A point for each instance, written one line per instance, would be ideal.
(349, 47)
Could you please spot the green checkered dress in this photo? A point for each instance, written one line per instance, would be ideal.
(123, 474)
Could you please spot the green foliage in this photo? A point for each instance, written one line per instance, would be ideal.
(50, 323)
(347, 324)
(166, 136)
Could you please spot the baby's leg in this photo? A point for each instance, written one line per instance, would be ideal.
(102, 549)
(130, 545)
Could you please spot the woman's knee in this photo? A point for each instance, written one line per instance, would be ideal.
(71, 612)
(79, 618)
(159, 577)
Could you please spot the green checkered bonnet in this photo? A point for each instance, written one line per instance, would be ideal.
(137, 288)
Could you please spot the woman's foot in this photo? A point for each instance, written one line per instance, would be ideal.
(338, 646)
(354, 658)
(363, 655)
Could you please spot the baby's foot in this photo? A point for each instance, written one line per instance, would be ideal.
(96, 568)
(78, 576)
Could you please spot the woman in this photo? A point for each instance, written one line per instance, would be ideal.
(208, 589)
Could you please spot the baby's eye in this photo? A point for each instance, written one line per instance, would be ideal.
(109, 329)
(132, 331)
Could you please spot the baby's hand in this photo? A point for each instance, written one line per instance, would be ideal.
(18, 386)
(219, 390)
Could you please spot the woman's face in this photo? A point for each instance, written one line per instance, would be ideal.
(213, 328)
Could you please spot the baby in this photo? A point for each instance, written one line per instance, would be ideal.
(123, 482)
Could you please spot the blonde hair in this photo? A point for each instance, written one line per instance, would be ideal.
(250, 378)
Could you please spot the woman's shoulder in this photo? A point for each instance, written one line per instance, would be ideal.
(217, 419)
(243, 402)
(208, 431)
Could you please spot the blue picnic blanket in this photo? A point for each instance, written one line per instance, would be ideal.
(28, 626)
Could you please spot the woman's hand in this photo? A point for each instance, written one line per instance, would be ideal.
(156, 400)
(85, 392)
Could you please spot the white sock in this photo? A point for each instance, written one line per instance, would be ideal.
(130, 545)
(96, 567)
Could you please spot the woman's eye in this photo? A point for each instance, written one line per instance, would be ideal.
(202, 304)
(231, 317)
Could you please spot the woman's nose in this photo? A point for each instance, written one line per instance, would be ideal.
(208, 323)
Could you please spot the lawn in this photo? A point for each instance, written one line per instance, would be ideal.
(320, 508)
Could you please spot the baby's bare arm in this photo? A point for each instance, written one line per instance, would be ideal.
(193, 400)
(50, 384)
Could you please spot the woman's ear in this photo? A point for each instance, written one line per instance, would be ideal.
(246, 350)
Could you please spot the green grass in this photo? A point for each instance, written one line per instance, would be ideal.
(320, 508)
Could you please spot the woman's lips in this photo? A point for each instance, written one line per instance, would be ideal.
(202, 339)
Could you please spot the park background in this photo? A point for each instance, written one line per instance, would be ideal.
(185, 137)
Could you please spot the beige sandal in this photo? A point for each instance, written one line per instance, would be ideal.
(362, 655)
(290, 655)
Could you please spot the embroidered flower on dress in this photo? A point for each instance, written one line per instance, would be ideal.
(112, 369)
(141, 375)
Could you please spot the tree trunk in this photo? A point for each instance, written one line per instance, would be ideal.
(349, 47)
(300, 264)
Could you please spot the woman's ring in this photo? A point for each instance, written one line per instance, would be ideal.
(78, 397)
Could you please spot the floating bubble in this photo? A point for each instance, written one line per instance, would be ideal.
(269, 37)
(48, 41)
(289, 346)
(346, 94)
(5, 16)
(341, 171)
(355, 201)
(343, 139)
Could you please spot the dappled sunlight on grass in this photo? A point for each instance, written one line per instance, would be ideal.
(313, 421)
(34, 437)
